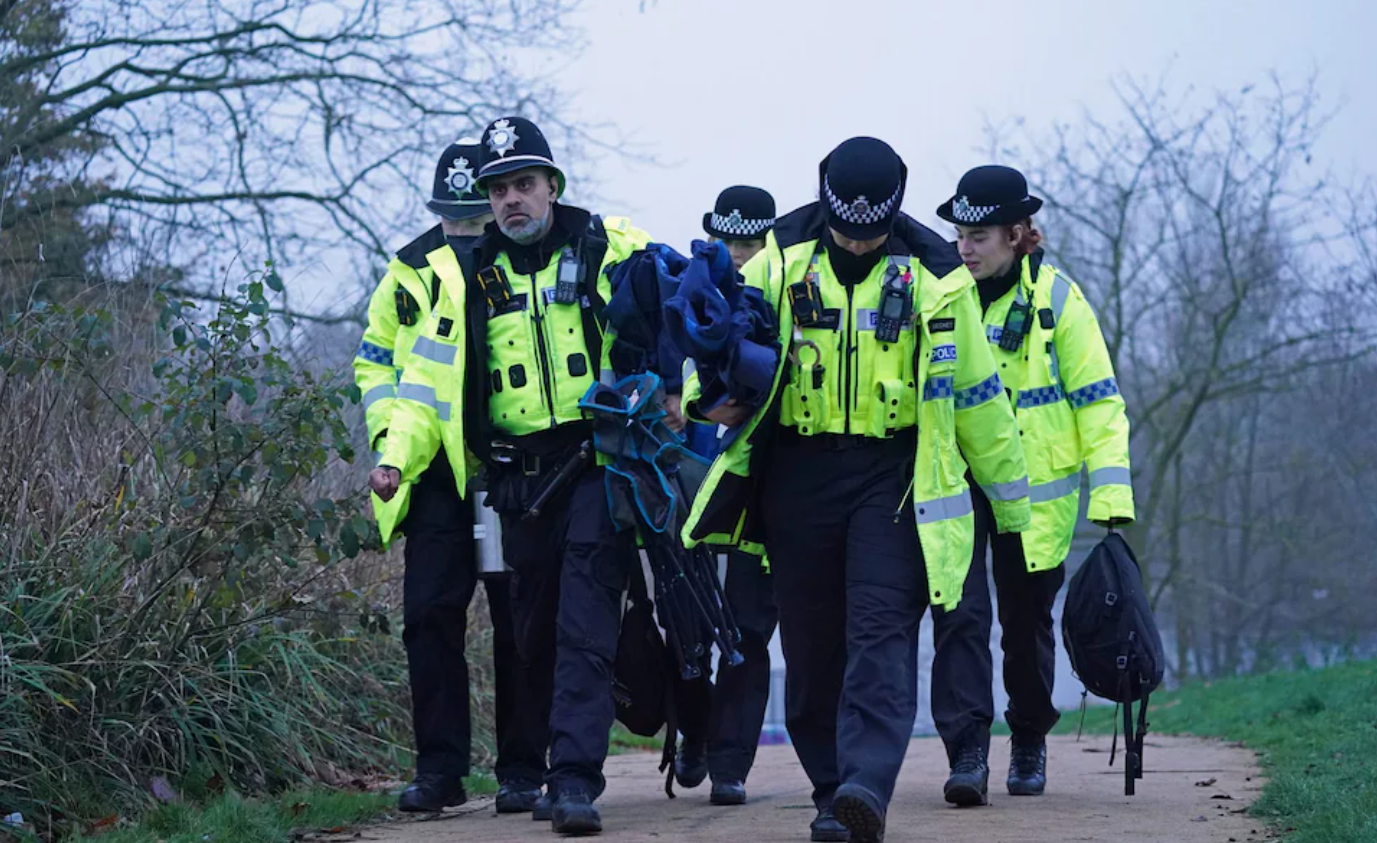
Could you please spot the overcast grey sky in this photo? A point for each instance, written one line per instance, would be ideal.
(757, 91)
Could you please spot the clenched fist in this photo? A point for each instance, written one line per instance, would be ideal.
(384, 481)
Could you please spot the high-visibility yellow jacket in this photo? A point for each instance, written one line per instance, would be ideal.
(1069, 409)
(397, 316)
(942, 378)
(450, 393)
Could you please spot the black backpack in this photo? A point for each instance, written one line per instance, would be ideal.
(642, 676)
(640, 680)
(1111, 636)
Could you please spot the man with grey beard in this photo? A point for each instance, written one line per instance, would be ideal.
(538, 282)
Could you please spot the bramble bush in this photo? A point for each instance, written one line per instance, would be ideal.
(175, 603)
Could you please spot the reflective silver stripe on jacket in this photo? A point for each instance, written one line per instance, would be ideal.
(943, 509)
(1011, 491)
(1043, 492)
(424, 395)
(377, 394)
(1061, 288)
(436, 352)
(1111, 476)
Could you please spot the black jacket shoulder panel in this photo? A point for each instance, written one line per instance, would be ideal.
(413, 254)
(801, 225)
(930, 248)
(1035, 263)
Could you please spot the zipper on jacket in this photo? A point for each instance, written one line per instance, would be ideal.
(546, 377)
(848, 348)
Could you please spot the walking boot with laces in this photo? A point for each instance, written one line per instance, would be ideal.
(1028, 767)
(574, 815)
(826, 828)
(969, 782)
(431, 793)
(691, 764)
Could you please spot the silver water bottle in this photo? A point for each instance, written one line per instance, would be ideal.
(487, 538)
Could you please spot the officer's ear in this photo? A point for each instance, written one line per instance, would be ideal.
(554, 186)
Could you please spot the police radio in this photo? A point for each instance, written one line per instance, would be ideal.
(569, 279)
(497, 290)
(1016, 325)
(896, 305)
(806, 301)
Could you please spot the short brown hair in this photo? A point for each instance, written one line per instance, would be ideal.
(1030, 238)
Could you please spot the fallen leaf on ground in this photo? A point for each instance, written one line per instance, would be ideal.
(1206, 782)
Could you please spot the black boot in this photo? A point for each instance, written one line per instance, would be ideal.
(691, 764)
(1028, 767)
(517, 798)
(860, 811)
(431, 793)
(826, 828)
(969, 782)
(574, 814)
(544, 808)
(728, 792)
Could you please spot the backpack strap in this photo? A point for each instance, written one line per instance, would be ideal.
(479, 431)
(592, 250)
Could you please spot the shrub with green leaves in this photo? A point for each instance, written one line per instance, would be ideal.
(173, 597)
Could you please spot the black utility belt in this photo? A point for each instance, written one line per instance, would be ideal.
(789, 436)
(536, 453)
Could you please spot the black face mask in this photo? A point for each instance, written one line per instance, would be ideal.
(460, 245)
(852, 269)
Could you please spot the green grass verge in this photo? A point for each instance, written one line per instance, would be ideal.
(231, 818)
(1315, 732)
(620, 741)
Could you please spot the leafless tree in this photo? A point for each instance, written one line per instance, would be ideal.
(1219, 258)
(278, 129)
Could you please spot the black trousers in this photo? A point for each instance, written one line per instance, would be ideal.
(728, 715)
(439, 582)
(852, 588)
(571, 570)
(962, 666)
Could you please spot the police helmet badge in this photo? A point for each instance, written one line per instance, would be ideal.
(860, 208)
(502, 138)
(459, 178)
(734, 221)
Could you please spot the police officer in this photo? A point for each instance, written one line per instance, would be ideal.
(441, 573)
(860, 485)
(724, 743)
(512, 354)
(1054, 364)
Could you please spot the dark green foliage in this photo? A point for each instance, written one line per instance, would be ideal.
(175, 597)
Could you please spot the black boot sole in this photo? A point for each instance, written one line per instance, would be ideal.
(427, 809)
(1022, 789)
(727, 799)
(431, 807)
(576, 826)
(966, 796)
(865, 824)
(830, 836)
